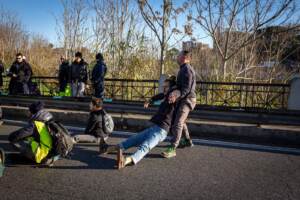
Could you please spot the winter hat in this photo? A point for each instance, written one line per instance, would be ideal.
(36, 107)
(99, 56)
(78, 54)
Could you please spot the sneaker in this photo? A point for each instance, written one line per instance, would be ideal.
(185, 143)
(2, 161)
(50, 161)
(169, 153)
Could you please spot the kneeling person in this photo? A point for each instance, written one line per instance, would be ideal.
(34, 141)
(95, 130)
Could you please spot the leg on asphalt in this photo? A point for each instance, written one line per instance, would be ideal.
(152, 140)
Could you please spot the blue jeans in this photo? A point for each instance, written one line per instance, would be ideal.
(77, 89)
(145, 141)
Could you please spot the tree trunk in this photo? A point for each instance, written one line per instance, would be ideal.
(224, 68)
(162, 55)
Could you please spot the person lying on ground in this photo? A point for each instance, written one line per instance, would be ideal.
(95, 131)
(34, 141)
(150, 137)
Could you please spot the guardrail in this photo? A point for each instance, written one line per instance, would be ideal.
(216, 94)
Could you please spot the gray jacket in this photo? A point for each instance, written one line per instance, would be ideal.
(186, 83)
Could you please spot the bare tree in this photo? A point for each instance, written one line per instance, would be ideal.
(163, 22)
(235, 24)
(118, 32)
(13, 37)
(72, 26)
(101, 24)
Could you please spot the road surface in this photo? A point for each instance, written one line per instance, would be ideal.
(201, 172)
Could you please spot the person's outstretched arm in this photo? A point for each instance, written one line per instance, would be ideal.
(21, 134)
(157, 97)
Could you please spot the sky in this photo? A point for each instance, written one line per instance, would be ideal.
(38, 16)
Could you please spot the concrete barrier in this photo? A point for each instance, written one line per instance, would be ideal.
(200, 128)
(282, 117)
(294, 96)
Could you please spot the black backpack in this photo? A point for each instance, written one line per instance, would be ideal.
(107, 123)
(62, 140)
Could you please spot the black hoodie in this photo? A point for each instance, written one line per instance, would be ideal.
(94, 124)
(163, 117)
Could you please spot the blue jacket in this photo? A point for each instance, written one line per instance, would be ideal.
(99, 72)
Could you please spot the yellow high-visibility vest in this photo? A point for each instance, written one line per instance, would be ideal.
(41, 149)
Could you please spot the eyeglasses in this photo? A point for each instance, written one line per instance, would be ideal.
(19, 58)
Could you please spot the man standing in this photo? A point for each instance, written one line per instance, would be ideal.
(185, 96)
(98, 74)
(20, 73)
(63, 74)
(79, 75)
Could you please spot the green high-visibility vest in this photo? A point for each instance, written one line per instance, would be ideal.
(67, 92)
(41, 149)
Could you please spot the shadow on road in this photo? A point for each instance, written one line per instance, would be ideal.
(4, 137)
(17, 160)
(90, 158)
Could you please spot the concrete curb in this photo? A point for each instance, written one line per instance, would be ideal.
(136, 122)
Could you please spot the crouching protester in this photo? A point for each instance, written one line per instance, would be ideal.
(35, 141)
(150, 137)
(99, 126)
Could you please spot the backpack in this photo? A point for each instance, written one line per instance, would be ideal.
(107, 123)
(62, 140)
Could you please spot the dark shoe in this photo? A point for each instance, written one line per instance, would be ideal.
(185, 143)
(169, 153)
(103, 148)
(120, 159)
(2, 161)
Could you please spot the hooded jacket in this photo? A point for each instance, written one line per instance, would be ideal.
(95, 124)
(98, 73)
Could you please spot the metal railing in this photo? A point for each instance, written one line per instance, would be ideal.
(216, 94)
(243, 95)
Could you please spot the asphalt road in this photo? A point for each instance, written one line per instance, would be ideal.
(201, 172)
